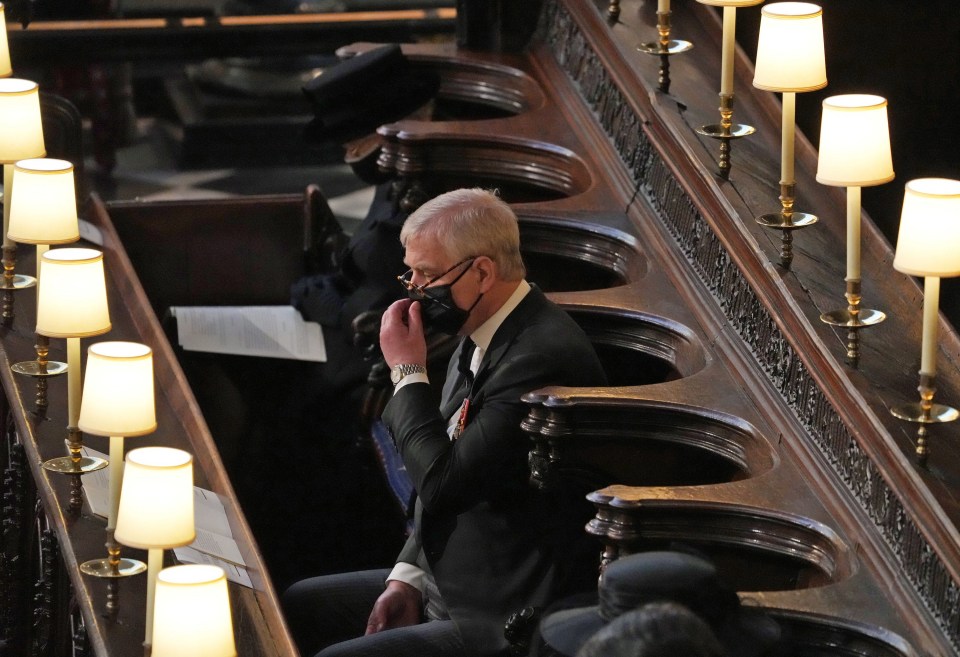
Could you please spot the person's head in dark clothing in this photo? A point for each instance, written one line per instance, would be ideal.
(649, 577)
(658, 629)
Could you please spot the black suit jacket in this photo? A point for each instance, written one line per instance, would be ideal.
(491, 541)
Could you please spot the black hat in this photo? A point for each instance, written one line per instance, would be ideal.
(638, 579)
(359, 94)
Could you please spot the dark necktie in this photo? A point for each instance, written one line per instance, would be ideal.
(459, 391)
(463, 365)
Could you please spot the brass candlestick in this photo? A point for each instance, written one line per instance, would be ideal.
(12, 282)
(725, 131)
(42, 368)
(112, 567)
(663, 48)
(787, 221)
(925, 413)
(853, 318)
(613, 11)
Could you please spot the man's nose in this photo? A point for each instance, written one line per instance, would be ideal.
(418, 280)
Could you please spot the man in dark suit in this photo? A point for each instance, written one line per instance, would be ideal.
(485, 543)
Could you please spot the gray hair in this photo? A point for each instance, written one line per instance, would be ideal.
(470, 222)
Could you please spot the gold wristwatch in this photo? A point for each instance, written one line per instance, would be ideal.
(397, 372)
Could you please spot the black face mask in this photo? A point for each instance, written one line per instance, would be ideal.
(439, 310)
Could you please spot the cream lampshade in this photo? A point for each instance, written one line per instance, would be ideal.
(72, 304)
(928, 242)
(790, 54)
(6, 68)
(156, 509)
(43, 213)
(21, 137)
(21, 128)
(790, 58)
(854, 152)
(854, 142)
(928, 245)
(73, 297)
(192, 613)
(118, 400)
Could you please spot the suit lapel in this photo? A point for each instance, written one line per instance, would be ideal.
(507, 333)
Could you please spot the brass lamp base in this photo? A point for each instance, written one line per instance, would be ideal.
(37, 369)
(925, 413)
(914, 412)
(733, 131)
(664, 47)
(41, 369)
(783, 222)
(17, 282)
(613, 11)
(70, 465)
(112, 568)
(105, 568)
(725, 131)
(75, 463)
(853, 322)
(787, 221)
(669, 47)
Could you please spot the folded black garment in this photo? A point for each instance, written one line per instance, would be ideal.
(363, 92)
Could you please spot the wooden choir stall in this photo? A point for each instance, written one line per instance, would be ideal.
(734, 422)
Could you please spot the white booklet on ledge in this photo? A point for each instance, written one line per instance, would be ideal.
(269, 331)
(214, 543)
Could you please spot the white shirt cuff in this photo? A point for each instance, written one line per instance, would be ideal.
(416, 377)
(408, 573)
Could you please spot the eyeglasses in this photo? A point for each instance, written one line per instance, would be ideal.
(420, 291)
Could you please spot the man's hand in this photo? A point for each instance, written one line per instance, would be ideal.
(398, 606)
(401, 334)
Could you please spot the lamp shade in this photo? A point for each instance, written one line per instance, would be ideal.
(118, 398)
(6, 68)
(790, 48)
(21, 130)
(854, 142)
(730, 3)
(191, 613)
(72, 302)
(156, 500)
(928, 242)
(44, 209)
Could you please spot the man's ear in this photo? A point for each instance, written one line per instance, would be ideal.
(487, 269)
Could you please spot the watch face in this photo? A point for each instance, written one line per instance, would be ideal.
(396, 374)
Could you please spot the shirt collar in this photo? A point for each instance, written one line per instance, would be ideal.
(482, 336)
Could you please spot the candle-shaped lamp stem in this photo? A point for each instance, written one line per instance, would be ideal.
(726, 130)
(853, 233)
(931, 311)
(727, 54)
